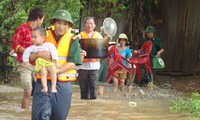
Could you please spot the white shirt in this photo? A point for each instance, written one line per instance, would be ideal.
(46, 46)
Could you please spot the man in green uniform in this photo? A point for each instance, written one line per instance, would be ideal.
(157, 48)
(55, 106)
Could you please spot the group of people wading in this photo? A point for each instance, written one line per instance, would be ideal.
(52, 59)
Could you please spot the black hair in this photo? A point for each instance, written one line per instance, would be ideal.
(87, 18)
(41, 30)
(122, 38)
(35, 13)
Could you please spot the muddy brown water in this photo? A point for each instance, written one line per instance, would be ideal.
(153, 105)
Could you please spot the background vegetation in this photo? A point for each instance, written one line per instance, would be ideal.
(14, 12)
(191, 105)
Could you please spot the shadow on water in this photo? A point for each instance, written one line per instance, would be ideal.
(140, 103)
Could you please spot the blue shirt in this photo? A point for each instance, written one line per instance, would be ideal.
(126, 54)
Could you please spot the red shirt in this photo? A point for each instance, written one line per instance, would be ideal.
(21, 37)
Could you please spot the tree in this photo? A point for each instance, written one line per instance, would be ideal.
(14, 12)
(137, 14)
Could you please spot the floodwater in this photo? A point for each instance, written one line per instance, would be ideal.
(146, 105)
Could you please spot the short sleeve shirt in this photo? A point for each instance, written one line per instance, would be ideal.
(74, 53)
(126, 54)
(157, 45)
(21, 37)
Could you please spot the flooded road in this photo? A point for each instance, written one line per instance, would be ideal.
(150, 106)
(10, 108)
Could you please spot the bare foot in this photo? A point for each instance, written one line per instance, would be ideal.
(100, 91)
(130, 89)
(44, 90)
(150, 85)
(53, 90)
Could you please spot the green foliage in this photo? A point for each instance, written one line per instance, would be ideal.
(73, 6)
(191, 105)
(1, 48)
(11, 62)
(13, 13)
(149, 4)
(11, 16)
(111, 8)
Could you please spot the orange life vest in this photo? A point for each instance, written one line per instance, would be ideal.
(63, 46)
(84, 35)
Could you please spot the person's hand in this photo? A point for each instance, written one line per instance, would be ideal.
(84, 52)
(12, 53)
(105, 36)
(27, 64)
(109, 38)
(136, 51)
(44, 54)
(158, 53)
(57, 64)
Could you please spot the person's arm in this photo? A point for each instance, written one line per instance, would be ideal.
(160, 47)
(17, 41)
(100, 36)
(160, 52)
(139, 46)
(82, 52)
(21, 49)
(57, 63)
(129, 53)
(26, 54)
(54, 54)
(74, 57)
(74, 53)
(53, 50)
(66, 67)
(41, 54)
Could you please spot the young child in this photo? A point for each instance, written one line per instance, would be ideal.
(43, 66)
(125, 52)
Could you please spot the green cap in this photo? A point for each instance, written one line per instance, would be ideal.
(62, 15)
(150, 29)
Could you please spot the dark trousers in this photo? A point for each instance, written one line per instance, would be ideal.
(51, 106)
(88, 83)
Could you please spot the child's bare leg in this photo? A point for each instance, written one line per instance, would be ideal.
(115, 83)
(52, 71)
(122, 85)
(43, 73)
